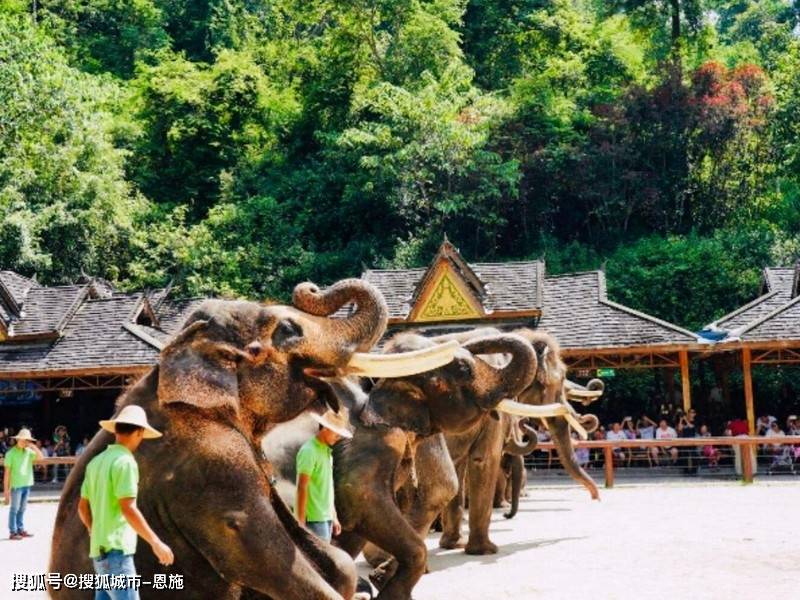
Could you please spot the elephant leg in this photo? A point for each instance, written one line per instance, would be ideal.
(453, 514)
(483, 469)
(350, 542)
(387, 527)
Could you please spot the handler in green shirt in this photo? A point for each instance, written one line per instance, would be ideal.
(315, 506)
(18, 480)
(108, 503)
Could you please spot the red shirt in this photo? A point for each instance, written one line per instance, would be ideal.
(739, 427)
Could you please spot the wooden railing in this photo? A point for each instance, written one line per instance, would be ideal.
(53, 460)
(746, 443)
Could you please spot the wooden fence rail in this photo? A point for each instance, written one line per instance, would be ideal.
(747, 443)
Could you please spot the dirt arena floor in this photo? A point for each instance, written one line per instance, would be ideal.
(661, 540)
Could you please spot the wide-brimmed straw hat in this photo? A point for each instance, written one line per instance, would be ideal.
(24, 434)
(336, 422)
(133, 415)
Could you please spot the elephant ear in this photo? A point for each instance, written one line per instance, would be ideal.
(397, 404)
(198, 371)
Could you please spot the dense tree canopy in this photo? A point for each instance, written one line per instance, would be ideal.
(238, 146)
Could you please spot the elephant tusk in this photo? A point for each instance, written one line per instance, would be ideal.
(402, 364)
(554, 409)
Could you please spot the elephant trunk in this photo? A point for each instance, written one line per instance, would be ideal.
(517, 483)
(517, 374)
(357, 332)
(516, 445)
(559, 430)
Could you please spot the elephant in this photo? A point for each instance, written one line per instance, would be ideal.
(476, 452)
(391, 422)
(234, 370)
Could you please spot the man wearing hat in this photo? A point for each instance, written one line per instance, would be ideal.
(314, 507)
(108, 502)
(18, 480)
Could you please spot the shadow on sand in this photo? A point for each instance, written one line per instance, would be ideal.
(441, 560)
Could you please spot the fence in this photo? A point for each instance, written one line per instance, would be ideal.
(747, 445)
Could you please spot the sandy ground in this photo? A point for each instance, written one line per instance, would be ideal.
(665, 541)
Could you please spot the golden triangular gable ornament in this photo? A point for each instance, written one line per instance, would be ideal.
(447, 301)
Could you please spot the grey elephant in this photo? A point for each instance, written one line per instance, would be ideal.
(391, 422)
(234, 370)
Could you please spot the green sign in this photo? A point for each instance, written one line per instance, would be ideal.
(605, 372)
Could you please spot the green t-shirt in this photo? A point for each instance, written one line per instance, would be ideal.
(19, 463)
(315, 460)
(111, 475)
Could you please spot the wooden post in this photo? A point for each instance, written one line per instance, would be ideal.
(686, 389)
(748, 391)
(745, 451)
(608, 456)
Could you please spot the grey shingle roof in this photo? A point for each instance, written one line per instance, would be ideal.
(577, 311)
(47, 309)
(513, 286)
(777, 288)
(16, 284)
(781, 324)
(94, 333)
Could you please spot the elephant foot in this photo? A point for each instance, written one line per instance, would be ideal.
(502, 504)
(450, 542)
(480, 547)
(382, 574)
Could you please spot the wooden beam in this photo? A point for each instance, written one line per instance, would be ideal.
(685, 385)
(748, 390)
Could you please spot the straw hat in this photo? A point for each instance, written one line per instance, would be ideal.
(133, 415)
(24, 434)
(335, 422)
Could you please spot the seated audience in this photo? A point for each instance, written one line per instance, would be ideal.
(616, 434)
(711, 453)
(665, 432)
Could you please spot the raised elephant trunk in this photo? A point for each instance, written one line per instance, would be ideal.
(357, 332)
(515, 445)
(517, 374)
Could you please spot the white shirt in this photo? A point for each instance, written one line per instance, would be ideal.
(618, 435)
(666, 434)
(647, 433)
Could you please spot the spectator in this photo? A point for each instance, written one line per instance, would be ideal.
(596, 454)
(616, 434)
(581, 454)
(739, 428)
(792, 425)
(711, 453)
(688, 430)
(665, 432)
(61, 448)
(82, 446)
(775, 432)
(646, 429)
(764, 423)
(628, 429)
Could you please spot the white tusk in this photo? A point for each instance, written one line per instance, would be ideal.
(402, 364)
(555, 409)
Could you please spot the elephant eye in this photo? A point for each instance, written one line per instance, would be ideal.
(462, 369)
(286, 334)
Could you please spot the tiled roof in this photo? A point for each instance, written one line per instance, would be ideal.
(577, 311)
(47, 309)
(781, 324)
(93, 332)
(512, 286)
(777, 287)
(16, 284)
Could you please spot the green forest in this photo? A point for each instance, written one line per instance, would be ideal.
(237, 147)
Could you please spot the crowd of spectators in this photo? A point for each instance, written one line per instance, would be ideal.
(58, 444)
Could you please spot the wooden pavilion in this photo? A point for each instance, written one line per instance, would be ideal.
(67, 351)
(594, 332)
(765, 331)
